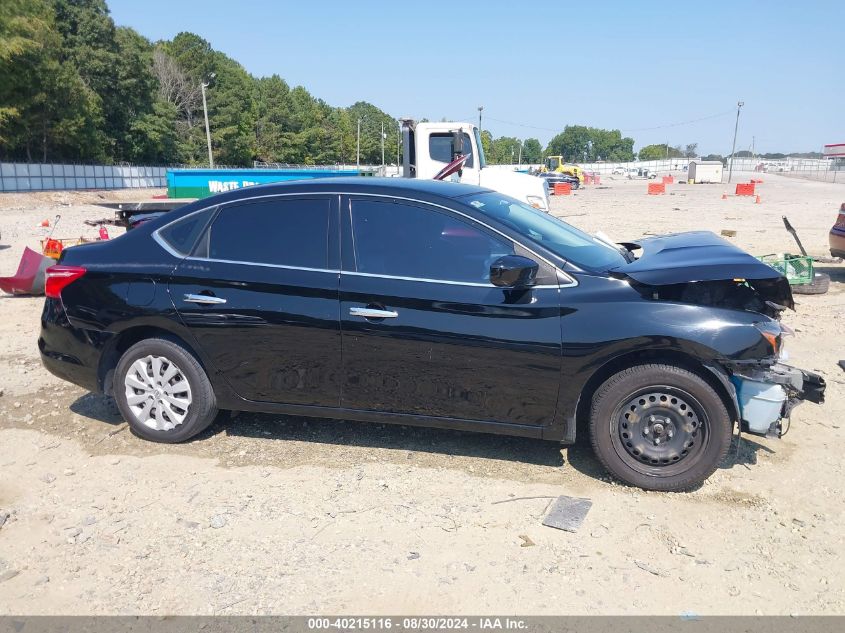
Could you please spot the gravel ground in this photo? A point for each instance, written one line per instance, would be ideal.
(274, 514)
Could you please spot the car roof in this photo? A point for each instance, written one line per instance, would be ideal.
(353, 185)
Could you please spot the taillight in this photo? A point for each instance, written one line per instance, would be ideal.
(60, 276)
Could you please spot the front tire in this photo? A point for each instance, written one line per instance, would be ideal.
(659, 427)
(163, 392)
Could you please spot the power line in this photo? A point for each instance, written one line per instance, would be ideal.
(533, 127)
(660, 127)
(641, 129)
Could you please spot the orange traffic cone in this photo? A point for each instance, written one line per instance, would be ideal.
(724, 196)
(45, 222)
(757, 200)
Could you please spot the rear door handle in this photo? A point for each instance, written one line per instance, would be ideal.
(203, 299)
(372, 313)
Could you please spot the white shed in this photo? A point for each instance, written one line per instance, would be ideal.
(701, 171)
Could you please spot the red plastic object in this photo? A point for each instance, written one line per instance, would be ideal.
(668, 180)
(29, 280)
(562, 189)
(745, 188)
(53, 248)
(655, 188)
(58, 277)
(451, 168)
(104, 232)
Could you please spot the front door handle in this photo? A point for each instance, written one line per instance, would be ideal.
(203, 299)
(372, 313)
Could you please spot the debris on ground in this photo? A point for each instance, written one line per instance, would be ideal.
(567, 513)
(526, 541)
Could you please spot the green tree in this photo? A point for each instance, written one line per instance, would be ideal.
(372, 119)
(532, 151)
(487, 146)
(23, 28)
(578, 143)
(505, 150)
(49, 111)
(659, 152)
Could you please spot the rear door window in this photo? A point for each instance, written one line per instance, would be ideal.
(274, 231)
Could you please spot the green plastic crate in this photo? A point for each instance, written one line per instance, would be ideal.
(797, 269)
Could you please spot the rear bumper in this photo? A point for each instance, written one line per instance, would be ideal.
(72, 354)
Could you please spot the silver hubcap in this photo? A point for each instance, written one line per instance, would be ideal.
(157, 393)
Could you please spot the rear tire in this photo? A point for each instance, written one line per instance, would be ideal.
(659, 427)
(163, 392)
(819, 285)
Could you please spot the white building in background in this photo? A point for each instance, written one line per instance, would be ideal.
(704, 171)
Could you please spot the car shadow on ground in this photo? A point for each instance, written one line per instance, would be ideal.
(270, 427)
(97, 407)
(742, 452)
(340, 433)
(389, 437)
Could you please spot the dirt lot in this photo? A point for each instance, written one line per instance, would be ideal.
(270, 514)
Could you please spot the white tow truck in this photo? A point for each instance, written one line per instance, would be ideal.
(429, 148)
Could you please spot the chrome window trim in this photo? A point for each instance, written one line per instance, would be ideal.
(262, 264)
(440, 281)
(569, 284)
(572, 281)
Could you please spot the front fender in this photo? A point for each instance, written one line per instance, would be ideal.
(605, 325)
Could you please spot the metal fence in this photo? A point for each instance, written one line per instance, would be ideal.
(49, 176)
(821, 169)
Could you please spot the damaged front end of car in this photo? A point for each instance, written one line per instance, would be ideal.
(702, 269)
(766, 396)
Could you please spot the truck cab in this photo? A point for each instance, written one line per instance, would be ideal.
(430, 147)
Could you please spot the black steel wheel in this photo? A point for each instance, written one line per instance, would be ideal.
(659, 427)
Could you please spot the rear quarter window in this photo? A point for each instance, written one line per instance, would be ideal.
(182, 234)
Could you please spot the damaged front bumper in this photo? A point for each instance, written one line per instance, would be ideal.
(767, 395)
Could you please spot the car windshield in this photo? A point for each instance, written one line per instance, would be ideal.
(556, 235)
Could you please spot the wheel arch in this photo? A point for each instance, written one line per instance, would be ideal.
(125, 339)
(711, 373)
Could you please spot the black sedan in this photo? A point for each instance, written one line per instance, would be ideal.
(433, 304)
(554, 177)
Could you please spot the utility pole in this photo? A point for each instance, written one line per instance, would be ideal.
(358, 146)
(520, 152)
(203, 86)
(480, 108)
(398, 144)
(739, 105)
(382, 143)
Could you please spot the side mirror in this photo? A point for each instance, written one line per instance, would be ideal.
(514, 271)
(457, 143)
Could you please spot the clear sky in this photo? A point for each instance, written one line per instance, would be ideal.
(642, 67)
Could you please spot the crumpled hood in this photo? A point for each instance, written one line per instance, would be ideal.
(693, 256)
(690, 258)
